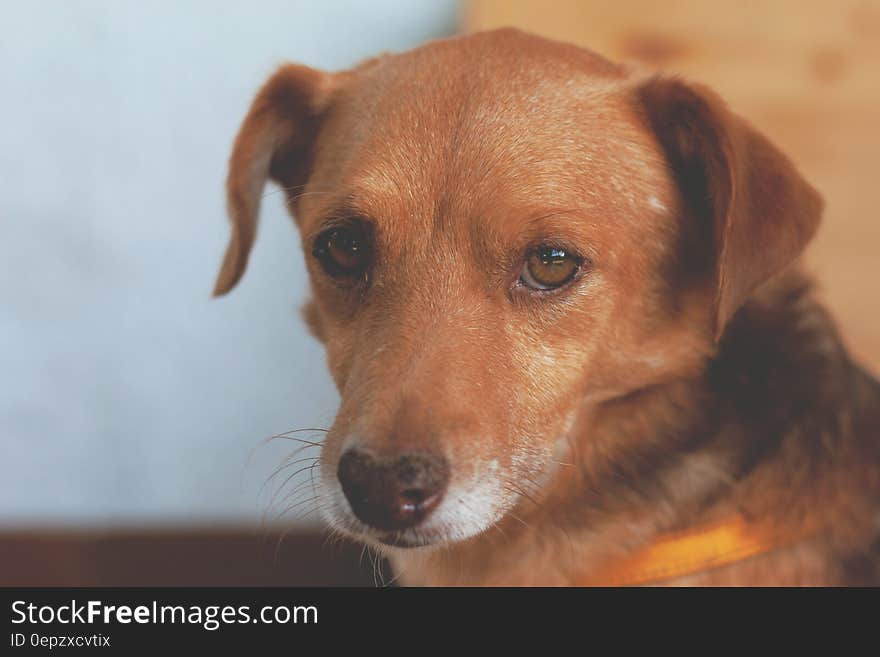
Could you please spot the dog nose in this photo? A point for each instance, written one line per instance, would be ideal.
(392, 492)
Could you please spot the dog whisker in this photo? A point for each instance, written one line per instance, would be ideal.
(520, 491)
(296, 505)
(287, 464)
(281, 468)
(288, 479)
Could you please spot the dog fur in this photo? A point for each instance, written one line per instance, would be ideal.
(688, 373)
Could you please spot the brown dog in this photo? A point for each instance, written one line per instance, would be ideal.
(562, 307)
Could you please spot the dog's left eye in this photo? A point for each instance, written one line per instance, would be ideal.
(548, 268)
(343, 251)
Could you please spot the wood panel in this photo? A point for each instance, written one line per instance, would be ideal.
(181, 557)
(807, 73)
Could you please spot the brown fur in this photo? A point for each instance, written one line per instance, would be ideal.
(687, 375)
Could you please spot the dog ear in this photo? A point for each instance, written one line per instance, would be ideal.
(274, 142)
(747, 195)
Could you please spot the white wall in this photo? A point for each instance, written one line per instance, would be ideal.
(127, 395)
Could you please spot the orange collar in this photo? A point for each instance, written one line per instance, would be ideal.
(691, 551)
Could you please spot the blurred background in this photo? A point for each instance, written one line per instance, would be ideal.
(134, 408)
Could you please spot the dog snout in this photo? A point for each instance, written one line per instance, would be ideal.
(392, 492)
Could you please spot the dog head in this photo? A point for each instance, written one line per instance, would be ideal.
(501, 231)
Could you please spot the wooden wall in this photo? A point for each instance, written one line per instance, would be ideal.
(184, 557)
(807, 73)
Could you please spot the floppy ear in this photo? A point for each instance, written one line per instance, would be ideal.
(273, 142)
(758, 210)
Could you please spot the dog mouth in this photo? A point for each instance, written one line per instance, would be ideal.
(460, 515)
(417, 499)
(410, 538)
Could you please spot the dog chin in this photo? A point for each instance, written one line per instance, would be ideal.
(409, 540)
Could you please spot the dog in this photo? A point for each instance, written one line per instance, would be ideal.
(563, 304)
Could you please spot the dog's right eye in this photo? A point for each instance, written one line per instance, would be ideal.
(343, 251)
(548, 268)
